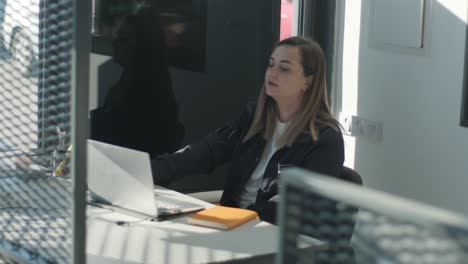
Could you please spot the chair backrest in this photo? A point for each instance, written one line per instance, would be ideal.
(351, 175)
(319, 217)
(389, 228)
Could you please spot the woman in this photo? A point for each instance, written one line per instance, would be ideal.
(291, 125)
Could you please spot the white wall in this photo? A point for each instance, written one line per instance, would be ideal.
(416, 94)
(95, 62)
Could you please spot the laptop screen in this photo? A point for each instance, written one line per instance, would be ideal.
(121, 176)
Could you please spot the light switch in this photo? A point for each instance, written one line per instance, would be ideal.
(361, 128)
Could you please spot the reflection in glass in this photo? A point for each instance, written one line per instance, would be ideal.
(182, 22)
(140, 110)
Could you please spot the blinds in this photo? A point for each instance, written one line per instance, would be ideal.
(35, 130)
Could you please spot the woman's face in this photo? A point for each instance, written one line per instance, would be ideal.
(284, 77)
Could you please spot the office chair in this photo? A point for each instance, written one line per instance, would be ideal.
(389, 229)
(347, 174)
(330, 221)
(351, 175)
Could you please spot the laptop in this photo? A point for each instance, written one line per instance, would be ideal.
(121, 179)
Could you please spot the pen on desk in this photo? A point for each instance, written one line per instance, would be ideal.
(94, 204)
(171, 214)
(100, 205)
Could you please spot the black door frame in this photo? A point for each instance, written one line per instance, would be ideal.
(317, 21)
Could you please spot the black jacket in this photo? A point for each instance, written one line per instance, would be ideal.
(326, 155)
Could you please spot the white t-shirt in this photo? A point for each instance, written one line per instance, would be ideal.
(249, 193)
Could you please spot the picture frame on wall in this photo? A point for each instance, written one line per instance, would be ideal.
(183, 21)
(464, 103)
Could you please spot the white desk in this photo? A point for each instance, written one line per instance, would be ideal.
(172, 241)
(45, 232)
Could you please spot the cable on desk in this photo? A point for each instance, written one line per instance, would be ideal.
(127, 223)
(118, 222)
(124, 223)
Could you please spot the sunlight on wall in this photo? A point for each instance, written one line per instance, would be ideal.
(350, 70)
(457, 7)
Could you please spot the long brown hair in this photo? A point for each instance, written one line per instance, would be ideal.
(314, 110)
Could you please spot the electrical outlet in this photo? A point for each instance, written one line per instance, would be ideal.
(357, 129)
(372, 130)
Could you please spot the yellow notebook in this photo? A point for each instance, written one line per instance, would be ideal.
(222, 217)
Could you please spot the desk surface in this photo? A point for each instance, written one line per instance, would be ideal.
(38, 232)
(172, 241)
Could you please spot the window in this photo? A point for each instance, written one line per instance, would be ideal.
(289, 20)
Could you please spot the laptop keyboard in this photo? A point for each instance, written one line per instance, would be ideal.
(166, 206)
